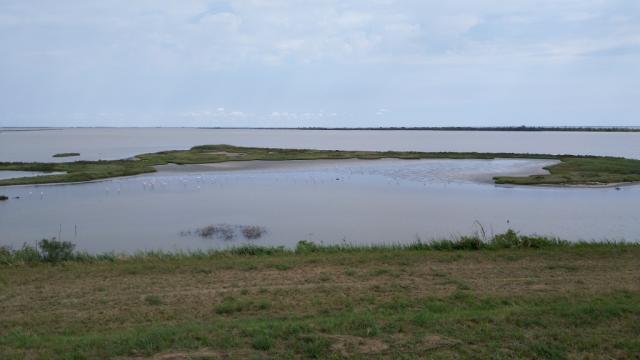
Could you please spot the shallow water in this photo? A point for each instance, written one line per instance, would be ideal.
(357, 202)
(17, 174)
(109, 143)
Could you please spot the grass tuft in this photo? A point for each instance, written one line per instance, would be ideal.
(153, 300)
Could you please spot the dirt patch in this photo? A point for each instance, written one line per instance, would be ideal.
(433, 342)
(347, 345)
(182, 355)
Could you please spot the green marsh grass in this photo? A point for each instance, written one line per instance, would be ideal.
(571, 169)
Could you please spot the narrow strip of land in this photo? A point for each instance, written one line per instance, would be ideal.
(571, 170)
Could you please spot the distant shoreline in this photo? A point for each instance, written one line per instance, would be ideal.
(392, 128)
(451, 128)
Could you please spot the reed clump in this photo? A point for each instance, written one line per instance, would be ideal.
(54, 251)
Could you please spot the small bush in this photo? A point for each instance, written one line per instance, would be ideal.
(6, 255)
(539, 242)
(468, 243)
(509, 239)
(56, 251)
(304, 247)
(27, 254)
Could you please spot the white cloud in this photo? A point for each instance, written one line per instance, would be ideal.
(175, 33)
(457, 24)
(254, 56)
(219, 113)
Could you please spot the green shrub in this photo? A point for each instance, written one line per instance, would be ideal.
(468, 243)
(539, 242)
(27, 254)
(6, 255)
(509, 239)
(304, 247)
(56, 251)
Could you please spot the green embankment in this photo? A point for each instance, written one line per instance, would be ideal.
(516, 298)
(572, 170)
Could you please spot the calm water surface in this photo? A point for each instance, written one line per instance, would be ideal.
(357, 202)
(121, 143)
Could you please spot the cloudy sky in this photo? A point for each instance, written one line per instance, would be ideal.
(319, 63)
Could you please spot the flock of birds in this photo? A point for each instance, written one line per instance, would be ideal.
(321, 176)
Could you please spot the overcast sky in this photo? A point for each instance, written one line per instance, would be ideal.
(319, 63)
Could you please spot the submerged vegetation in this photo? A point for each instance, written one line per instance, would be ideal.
(572, 169)
(508, 296)
(227, 232)
(69, 154)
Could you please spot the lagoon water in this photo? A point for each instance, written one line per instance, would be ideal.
(351, 201)
(356, 202)
(108, 143)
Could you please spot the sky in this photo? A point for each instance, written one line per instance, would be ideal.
(336, 63)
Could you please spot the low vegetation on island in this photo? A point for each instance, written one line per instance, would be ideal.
(572, 169)
(69, 154)
(508, 297)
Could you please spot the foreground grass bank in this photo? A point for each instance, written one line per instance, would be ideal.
(572, 170)
(552, 302)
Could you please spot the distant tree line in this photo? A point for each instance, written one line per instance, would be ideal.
(490, 128)
(456, 128)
